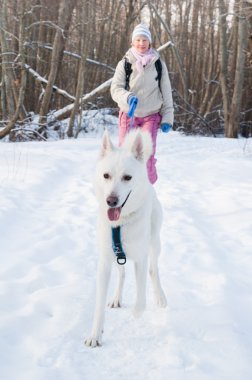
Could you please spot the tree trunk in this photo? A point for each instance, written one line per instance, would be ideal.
(65, 14)
(82, 64)
(8, 79)
(224, 63)
(20, 99)
(239, 75)
(209, 60)
(232, 106)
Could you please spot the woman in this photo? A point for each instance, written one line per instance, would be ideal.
(149, 97)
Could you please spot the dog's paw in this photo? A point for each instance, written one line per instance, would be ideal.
(161, 300)
(116, 303)
(93, 342)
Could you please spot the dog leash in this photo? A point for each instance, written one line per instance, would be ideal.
(116, 231)
(117, 245)
(132, 112)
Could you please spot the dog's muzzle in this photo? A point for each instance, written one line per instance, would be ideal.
(114, 212)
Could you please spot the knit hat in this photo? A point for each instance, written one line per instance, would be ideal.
(141, 30)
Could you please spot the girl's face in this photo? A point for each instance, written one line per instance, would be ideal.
(141, 44)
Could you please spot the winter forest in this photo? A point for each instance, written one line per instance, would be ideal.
(58, 58)
(57, 61)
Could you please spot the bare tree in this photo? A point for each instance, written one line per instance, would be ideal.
(232, 96)
(175, 51)
(65, 14)
(84, 45)
(20, 99)
(234, 120)
(8, 90)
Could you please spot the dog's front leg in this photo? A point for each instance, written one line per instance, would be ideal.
(117, 300)
(103, 275)
(140, 273)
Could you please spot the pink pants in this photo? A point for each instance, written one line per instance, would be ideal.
(148, 123)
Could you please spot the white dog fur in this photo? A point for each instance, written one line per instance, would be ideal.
(121, 176)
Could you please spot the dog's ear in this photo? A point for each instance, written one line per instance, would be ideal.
(107, 145)
(137, 147)
(139, 144)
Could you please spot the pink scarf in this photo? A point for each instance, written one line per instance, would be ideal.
(142, 59)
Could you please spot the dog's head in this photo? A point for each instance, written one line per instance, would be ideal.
(121, 180)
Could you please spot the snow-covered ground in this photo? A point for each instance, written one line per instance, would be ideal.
(49, 257)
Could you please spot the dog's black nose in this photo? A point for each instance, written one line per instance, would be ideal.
(112, 201)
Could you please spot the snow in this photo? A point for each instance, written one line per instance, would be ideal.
(49, 258)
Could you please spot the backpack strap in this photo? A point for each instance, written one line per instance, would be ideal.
(128, 71)
(158, 66)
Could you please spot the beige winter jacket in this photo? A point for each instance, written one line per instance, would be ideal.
(145, 87)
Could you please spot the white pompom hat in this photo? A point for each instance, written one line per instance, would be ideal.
(141, 30)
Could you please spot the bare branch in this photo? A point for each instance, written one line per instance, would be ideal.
(70, 54)
(56, 89)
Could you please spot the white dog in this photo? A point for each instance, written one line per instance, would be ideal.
(129, 223)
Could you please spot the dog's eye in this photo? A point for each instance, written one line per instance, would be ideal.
(106, 176)
(126, 177)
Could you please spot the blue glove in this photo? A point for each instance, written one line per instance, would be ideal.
(165, 127)
(132, 101)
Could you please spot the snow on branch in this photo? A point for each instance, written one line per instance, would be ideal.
(74, 55)
(28, 130)
(167, 44)
(40, 79)
(69, 108)
(47, 23)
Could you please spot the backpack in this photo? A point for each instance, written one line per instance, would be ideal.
(128, 71)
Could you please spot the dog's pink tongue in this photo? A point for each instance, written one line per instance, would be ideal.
(114, 213)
